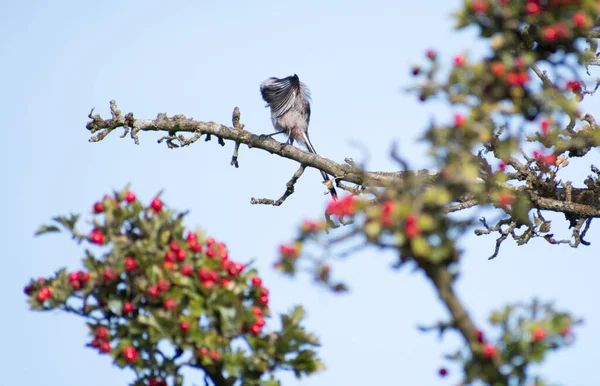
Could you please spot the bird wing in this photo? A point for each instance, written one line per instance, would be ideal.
(280, 93)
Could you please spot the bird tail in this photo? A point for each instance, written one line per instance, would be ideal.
(328, 182)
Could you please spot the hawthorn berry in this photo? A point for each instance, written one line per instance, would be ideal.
(175, 246)
(186, 269)
(84, 277)
(479, 6)
(97, 237)
(498, 69)
(184, 326)
(163, 285)
(101, 332)
(479, 336)
(170, 304)
(109, 274)
(430, 54)
(235, 269)
(225, 282)
(459, 60)
(257, 311)
(98, 207)
(130, 196)
(489, 350)
(574, 86)
(579, 19)
(256, 281)
(168, 266)
(105, 347)
(538, 334)
(180, 255)
(260, 322)
(128, 308)
(459, 120)
(130, 264)
(289, 251)
(202, 352)
(210, 241)
(214, 355)
(254, 329)
(170, 256)
(153, 291)
(130, 354)
(156, 205)
(443, 372)
(264, 300)
(44, 294)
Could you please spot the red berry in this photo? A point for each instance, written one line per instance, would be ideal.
(105, 347)
(163, 285)
(579, 19)
(264, 291)
(479, 336)
(545, 125)
(98, 207)
(235, 269)
(430, 54)
(210, 241)
(101, 332)
(130, 197)
(533, 8)
(257, 311)
(574, 86)
(128, 308)
(256, 281)
(263, 300)
(210, 253)
(489, 350)
(180, 255)
(153, 291)
(168, 266)
(44, 294)
(498, 69)
(549, 34)
(156, 205)
(97, 237)
(254, 329)
(109, 274)
(539, 333)
(202, 352)
(73, 276)
(175, 246)
(225, 282)
(505, 199)
(204, 273)
(459, 60)
(191, 236)
(195, 246)
(84, 277)
(184, 326)
(479, 6)
(186, 269)
(130, 264)
(443, 372)
(170, 256)
(170, 304)
(130, 354)
(260, 322)
(459, 120)
(214, 355)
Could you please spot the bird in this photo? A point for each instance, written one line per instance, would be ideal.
(289, 100)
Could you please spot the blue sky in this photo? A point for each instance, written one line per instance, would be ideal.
(201, 59)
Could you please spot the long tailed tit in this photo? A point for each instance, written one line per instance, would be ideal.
(289, 100)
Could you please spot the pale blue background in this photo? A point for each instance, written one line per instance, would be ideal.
(202, 58)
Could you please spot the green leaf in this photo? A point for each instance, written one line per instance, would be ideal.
(46, 229)
(69, 222)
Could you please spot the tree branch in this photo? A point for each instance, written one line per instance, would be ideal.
(584, 203)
